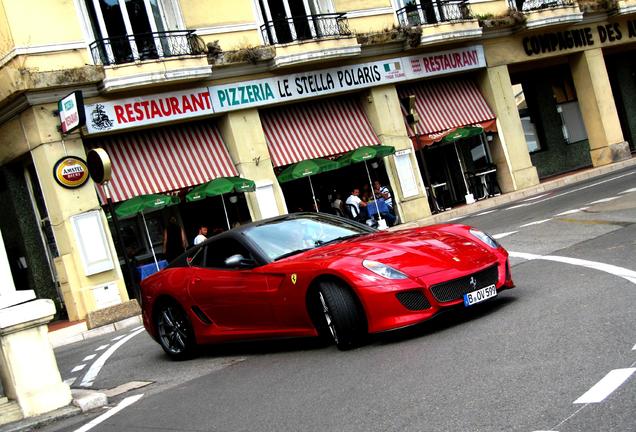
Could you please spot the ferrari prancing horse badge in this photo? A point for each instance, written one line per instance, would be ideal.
(294, 278)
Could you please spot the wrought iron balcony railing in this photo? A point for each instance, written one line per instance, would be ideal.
(535, 5)
(433, 12)
(307, 27)
(146, 46)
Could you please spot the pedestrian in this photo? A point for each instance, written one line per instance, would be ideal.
(203, 234)
(175, 241)
(338, 205)
(383, 192)
(356, 206)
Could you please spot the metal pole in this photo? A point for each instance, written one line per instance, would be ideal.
(227, 219)
(152, 249)
(313, 195)
(120, 240)
(371, 186)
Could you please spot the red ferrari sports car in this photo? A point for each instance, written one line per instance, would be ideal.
(311, 274)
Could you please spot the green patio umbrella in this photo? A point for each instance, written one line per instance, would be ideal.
(464, 132)
(221, 186)
(307, 168)
(143, 204)
(363, 154)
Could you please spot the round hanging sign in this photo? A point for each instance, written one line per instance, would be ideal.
(70, 172)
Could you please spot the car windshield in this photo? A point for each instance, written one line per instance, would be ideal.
(286, 237)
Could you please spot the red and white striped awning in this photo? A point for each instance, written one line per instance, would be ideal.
(164, 159)
(447, 104)
(317, 129)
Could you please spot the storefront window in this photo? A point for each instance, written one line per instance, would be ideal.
(530, 133)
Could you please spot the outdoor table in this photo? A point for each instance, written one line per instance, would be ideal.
(148, 269)
(482, 177)
(372, 210)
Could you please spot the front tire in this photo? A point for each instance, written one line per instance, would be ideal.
(174, 331)
(341, 315)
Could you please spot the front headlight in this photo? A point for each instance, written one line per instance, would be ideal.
(485, 238)
(383, 270)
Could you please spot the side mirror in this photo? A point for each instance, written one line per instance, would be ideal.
(238, 260)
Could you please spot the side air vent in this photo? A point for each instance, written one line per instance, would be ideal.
(203, 317)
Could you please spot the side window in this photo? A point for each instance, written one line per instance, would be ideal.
(222, 249)
(196, 257)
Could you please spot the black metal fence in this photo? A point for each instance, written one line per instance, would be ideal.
(533, 5)
(305, 27)
(433, 12)
(146, 46)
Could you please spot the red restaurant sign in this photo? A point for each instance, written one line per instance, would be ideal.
(147, 110)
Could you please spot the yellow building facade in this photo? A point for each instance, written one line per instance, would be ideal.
(475, 97)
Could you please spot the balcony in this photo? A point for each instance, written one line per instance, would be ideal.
(543, 13)
(434, 12)
(310, 39)
(146, 46)
(302, 28)
(149, 59)
(441, 20)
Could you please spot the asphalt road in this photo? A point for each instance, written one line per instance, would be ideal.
(521, 362)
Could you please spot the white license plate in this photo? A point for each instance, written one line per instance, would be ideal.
(480, 295)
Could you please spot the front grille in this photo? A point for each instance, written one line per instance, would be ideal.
(455, 289)
(414, 300)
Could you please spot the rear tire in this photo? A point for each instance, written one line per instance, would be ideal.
(174, 331)
(341, 315)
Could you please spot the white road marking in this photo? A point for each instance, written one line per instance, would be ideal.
(535, 223)
(456, 218)
(101, 348)
(92, 372)
(485, 212)
(634, 348)
(502, 235)
(535, 198)
(70, 381)
(89, 357)
(627, 191)
(630, 275)
(519, 205)
(78, 368)
(606, 386)
(136, 328)
(572, 191)
(118, 337)
(572, 211)
(120, 406)
(603, 200)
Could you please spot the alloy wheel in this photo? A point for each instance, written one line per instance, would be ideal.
(328, 319)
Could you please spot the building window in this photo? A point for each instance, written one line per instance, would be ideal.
(421, 12)
(295, 20)
(131, 30)
(530, 133)
(568, 108)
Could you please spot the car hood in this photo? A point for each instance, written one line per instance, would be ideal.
(416, 252)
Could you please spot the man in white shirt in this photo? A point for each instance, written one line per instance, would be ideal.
(203, 232)
(355, 204)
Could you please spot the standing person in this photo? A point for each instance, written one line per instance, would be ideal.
(356, 206)
(203, 234)
(174, 240)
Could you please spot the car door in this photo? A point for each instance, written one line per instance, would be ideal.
(238, 298)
